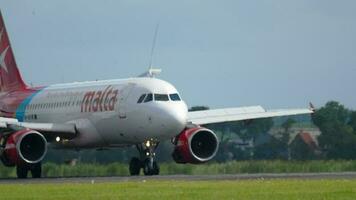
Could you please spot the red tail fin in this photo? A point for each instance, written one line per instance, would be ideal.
(10, 78)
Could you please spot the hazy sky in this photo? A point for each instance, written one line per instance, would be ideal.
(275, 53)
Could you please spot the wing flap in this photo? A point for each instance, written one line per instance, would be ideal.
(240, 114)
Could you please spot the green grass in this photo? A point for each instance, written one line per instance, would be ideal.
(247, 189)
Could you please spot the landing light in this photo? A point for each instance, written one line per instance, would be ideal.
(58, 139)
(148, 143)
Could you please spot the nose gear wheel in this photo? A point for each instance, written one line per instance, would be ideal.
(147, 159)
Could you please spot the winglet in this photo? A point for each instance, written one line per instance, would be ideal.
(311, 107)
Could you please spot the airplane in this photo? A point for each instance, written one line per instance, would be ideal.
(140, 111)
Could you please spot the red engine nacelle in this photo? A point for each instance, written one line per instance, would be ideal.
(195, 145)
(25, 146)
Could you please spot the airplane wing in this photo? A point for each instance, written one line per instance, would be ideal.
(8, 125)
(240, 114)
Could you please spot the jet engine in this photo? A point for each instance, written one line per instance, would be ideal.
(25, 146)
(195, 145)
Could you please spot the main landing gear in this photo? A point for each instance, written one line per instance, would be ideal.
(147, 159)
(35, 169)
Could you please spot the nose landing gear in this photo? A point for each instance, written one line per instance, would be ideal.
(147, 159)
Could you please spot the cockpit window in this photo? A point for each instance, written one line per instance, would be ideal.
(149, 98)
(142, 97)
(174, 97)
(161, 97)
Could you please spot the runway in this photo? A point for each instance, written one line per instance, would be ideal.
(118, 179)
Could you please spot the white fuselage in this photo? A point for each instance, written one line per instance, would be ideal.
(107, 113)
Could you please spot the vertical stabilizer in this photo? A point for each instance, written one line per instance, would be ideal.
(10, 78)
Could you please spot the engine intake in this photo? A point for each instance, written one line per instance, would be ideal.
(195, 145)
(27, 146)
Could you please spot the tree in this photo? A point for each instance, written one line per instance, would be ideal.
(300, 150)
(287, 125)
(337, 126)
(259, 126)
(352, 121)
(285, 136)
(273, 149)
(277, 146)
(332, 113)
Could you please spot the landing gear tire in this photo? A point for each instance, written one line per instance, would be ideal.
(150, 168)
(21, 171)
(135, 166)
(156, 168)
(36, 170)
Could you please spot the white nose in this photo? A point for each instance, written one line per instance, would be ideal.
(173, 117)
(177, 118)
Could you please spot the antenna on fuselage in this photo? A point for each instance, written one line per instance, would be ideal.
(152, 72)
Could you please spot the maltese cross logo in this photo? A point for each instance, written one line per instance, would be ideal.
(2, 59)
(3, 54)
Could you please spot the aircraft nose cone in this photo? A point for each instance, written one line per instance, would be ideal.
(174, 119)
(177, 118)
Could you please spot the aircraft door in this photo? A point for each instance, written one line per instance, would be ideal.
(123, 96)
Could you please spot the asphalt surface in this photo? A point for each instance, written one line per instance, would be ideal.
(344, 175)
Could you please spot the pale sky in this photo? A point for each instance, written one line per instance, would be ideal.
(222, 53)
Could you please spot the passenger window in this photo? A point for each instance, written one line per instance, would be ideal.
(149, 98)
(142, 97)
(174, 97)
(161, 97)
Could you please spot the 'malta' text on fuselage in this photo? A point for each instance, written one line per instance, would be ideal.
(99, 101)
